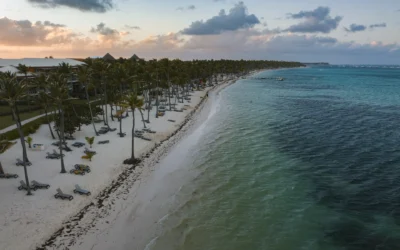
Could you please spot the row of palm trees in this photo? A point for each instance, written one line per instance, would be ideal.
(121, 85)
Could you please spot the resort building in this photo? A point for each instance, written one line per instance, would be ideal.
(39, 65)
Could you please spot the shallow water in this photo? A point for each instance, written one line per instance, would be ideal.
(312, 162)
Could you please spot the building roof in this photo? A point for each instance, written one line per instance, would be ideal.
(13, 70)
(10, 69)
(108, 57)
(39, 62)
(134, 57)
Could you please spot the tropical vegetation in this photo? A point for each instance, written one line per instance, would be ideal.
(109, 90)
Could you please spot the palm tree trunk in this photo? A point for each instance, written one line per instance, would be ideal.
(63, 171)
(157, 100)
(25, 157)
(141, 113)
(133, 136)
(90, 110)
(105, 104)
(111, 114)
(169, 95)
(48, 122)
(148, 109)
(1, 169)
(120, 125)
(77, 116)
(104, 116)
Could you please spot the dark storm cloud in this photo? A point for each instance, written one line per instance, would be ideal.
(317, 20)
(100, 6)
(237, 18)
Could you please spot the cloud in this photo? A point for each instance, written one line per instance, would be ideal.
(359, 27)
(26, 33)
(355, 28)
(378, 25)
(49, 24)
(99, 6)
(317, 20)
(189, 7)
(103, 30)
(132, 27)
(237, 18)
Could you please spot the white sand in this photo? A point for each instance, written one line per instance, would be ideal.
(28, 221)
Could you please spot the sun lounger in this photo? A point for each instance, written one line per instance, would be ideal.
(80, 190)
(171, 120)
(77, 172)
(52, 156)
(104, 142)
(103, 131)
(24, 186)
(63, 196)
(66, 148)
(87, 150)
(8, 176)
(39, 185)
(82, 167)
(21, 163)
(78, 144)
(57, 143)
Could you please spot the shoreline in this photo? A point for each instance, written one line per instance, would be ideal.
(41, 222)
(64, 237)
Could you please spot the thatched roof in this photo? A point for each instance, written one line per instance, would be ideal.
(135, 57)
(108, 57)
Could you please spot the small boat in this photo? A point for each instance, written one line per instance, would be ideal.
(279, 79)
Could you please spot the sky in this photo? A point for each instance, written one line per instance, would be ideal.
(338, 32)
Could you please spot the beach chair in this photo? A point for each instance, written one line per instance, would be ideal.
(91, 151)
(21, 163)
(57, 153)
(62, 196)
(78, 144)
(39, 185)
(77, 172)
(24, 186)
(82, 167)
(8, 176)
(79, 190)
(52, 156)
(145, 138)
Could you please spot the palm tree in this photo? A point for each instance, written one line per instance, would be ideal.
(84, 75)
(44, 101)
(57, 84)
(12, 90)
(1, 169)
(132, 101)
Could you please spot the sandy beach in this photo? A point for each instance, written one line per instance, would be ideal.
(42, 222)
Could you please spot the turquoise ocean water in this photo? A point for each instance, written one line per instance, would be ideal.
(311, 162)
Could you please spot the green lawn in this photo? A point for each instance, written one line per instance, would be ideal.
(6, 121)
